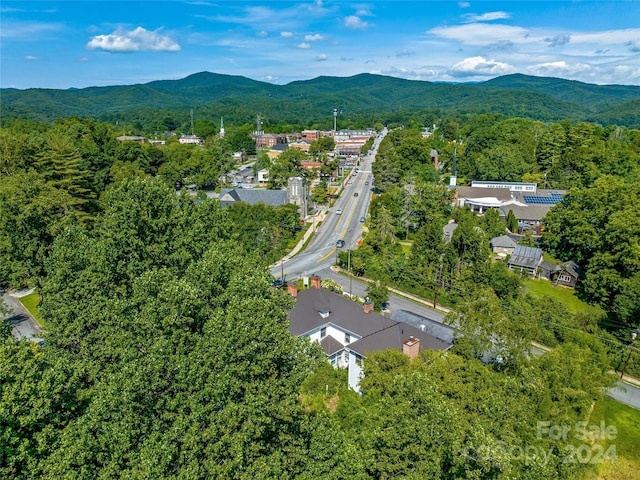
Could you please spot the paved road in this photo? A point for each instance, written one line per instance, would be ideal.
(321, 252)
(23, 325)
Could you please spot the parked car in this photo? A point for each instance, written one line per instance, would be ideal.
(355, 194)
(362, 219)
(339, 211)
(340, 243)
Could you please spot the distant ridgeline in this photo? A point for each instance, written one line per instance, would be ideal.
(376, 97)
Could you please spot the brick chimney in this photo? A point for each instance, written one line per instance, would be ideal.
(292, 288)
(367, 307)
(315, 281)
(411, 347)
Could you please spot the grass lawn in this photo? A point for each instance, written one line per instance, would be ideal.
(30, 302)
(626, 420)
(544, 288)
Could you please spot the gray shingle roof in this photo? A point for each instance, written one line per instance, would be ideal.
(428, 325)
(376, 331)
(572, 268)
(393, 337)
(253, 196)
(330, 345)
(480, 192)
(529, 212)
(343, 313)
(503, 241)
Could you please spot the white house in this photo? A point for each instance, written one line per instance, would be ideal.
(348, 331)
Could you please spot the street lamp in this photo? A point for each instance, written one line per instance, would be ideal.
(634, 336)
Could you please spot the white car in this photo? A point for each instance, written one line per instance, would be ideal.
(339, 211)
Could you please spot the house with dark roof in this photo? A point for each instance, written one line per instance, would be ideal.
(525, 259)
(568, 274)
(348, 331)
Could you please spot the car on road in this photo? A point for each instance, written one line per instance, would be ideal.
(366, 183)
(340, 243)
(362, 219)
(339, 211)
(355, 194)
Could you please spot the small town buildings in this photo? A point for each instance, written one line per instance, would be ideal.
(503, 245)
(568, 274)
(190, 139)
(296, 193)
(348, 331)
(525, 259)
(511, 186)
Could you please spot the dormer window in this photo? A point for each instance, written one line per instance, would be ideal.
(324, 313)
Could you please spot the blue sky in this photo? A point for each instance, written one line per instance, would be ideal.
(63, 44)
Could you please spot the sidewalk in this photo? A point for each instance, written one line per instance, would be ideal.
(396, 291)
(315, 221)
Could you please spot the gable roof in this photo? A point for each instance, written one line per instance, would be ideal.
(330, 345)
(376, 331)
(393, 337)
(253, 196)
(503, 241)
(529, 257)
(572, 268)
(343, 313)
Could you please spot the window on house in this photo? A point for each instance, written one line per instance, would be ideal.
(323, 332)
(347, 338)
(564, 278)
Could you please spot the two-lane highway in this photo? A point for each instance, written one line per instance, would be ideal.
(353, 206)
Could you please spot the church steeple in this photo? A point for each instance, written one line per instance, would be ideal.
(221, 127)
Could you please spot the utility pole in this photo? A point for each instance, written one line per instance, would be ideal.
(634, 335)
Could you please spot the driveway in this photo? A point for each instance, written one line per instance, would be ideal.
(23, 325)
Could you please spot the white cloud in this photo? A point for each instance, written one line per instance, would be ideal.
(262, 33)
(559, 68)
(487, 17)
(313, 37)
(304, 45)
(286, 34)
(464, 4)
(31, 57)
(353, 21)
(480, 66)
(483, 34)
(136, 40)
(321, 57)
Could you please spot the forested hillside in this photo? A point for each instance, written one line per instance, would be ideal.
(307, 102)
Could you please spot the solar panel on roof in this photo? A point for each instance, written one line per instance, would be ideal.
(535, 200)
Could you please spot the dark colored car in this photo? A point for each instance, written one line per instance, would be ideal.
(340, 243)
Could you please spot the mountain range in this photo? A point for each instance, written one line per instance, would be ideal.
(541, 98)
